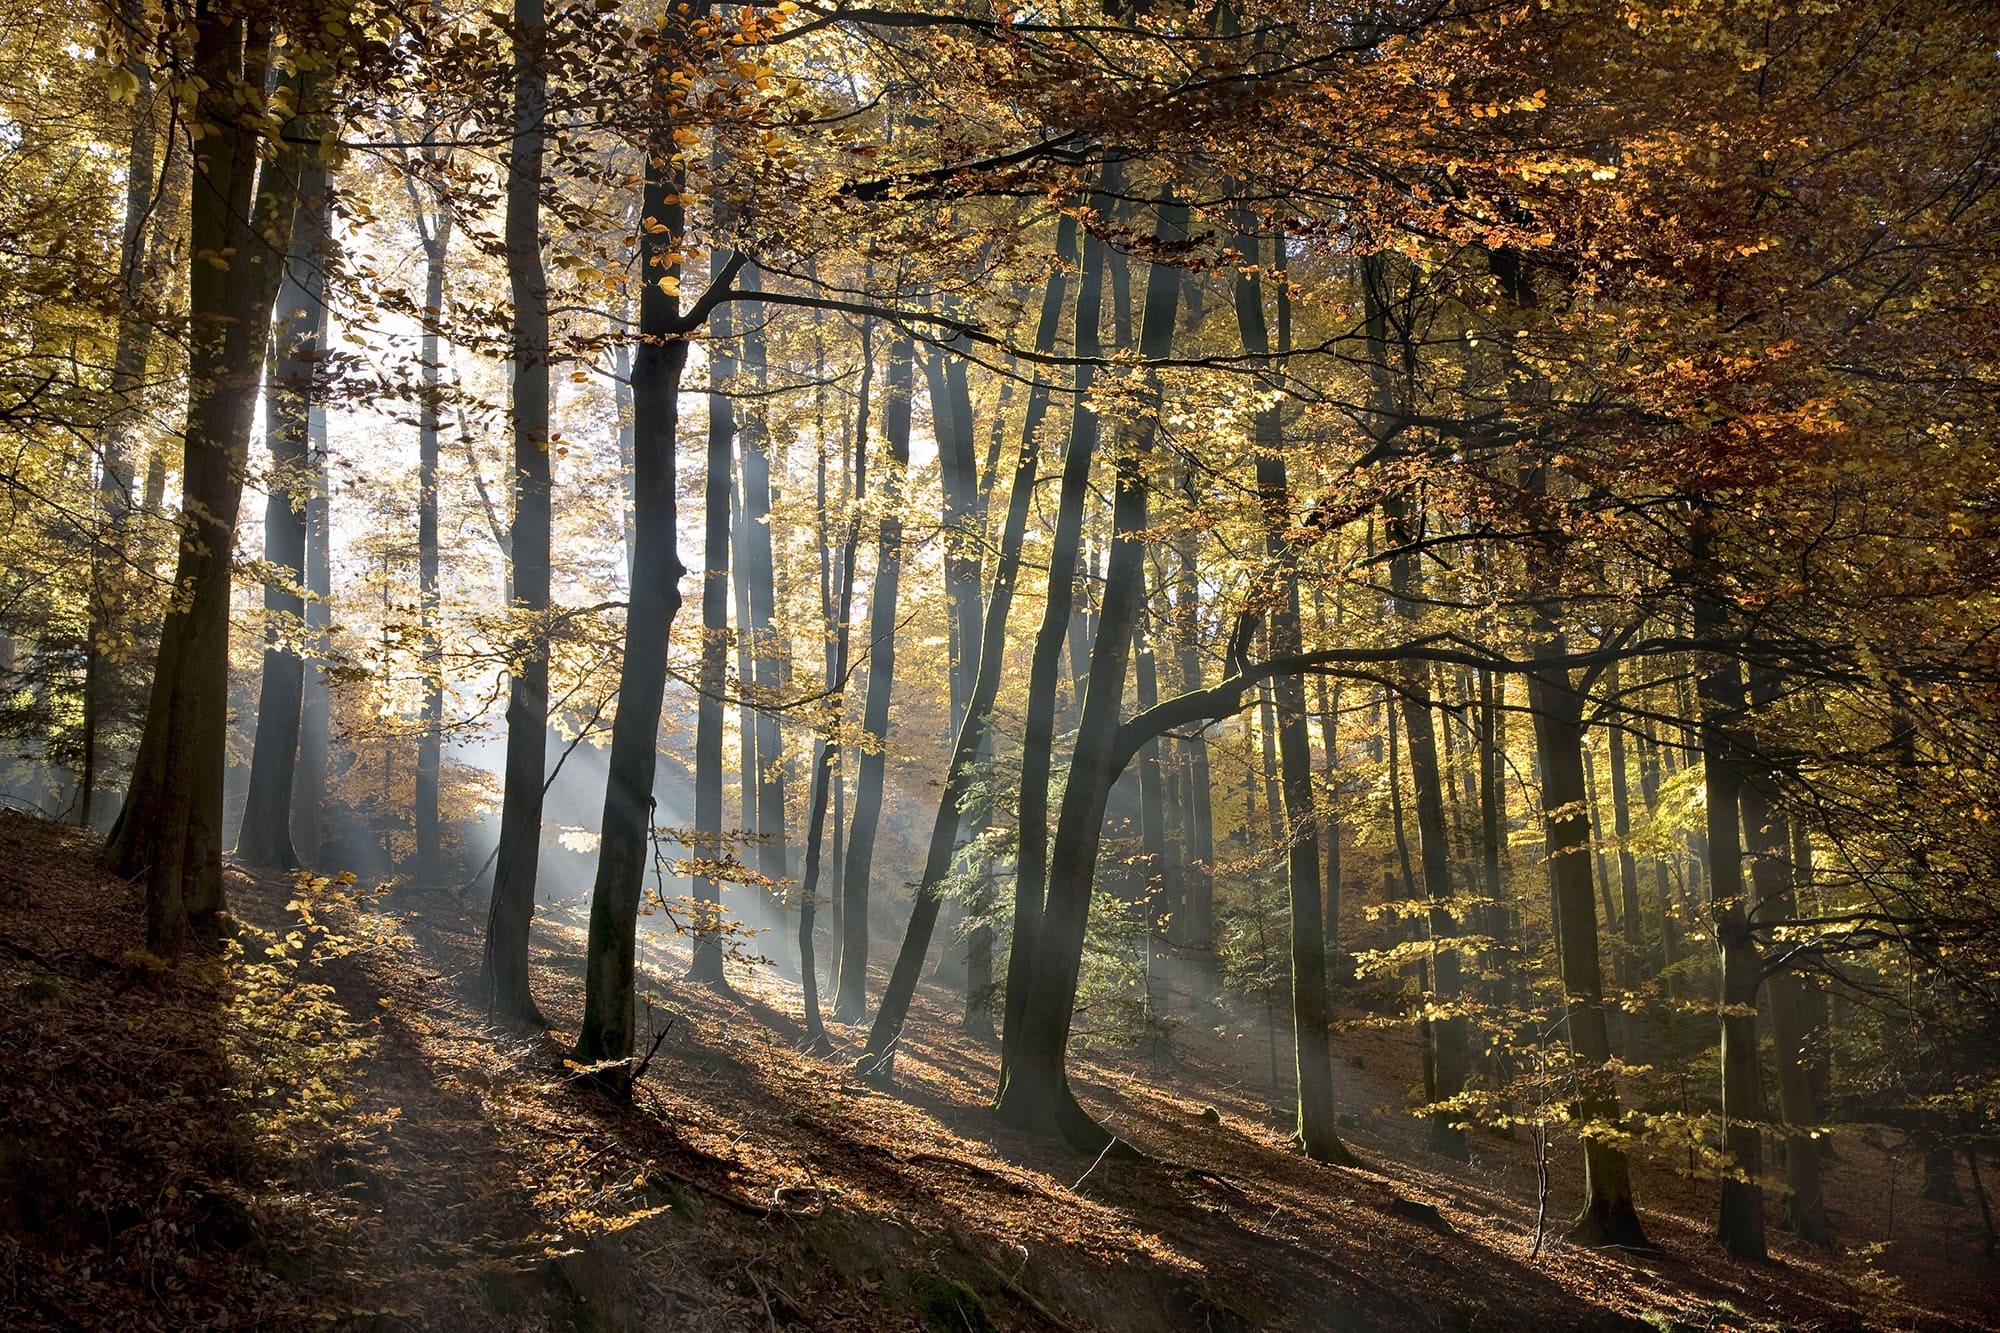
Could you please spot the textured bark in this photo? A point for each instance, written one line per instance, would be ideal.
(504, 973)
(1034, 1092)
(265, 838)
(170, 830)
(974, 728)
(850, 996)
(316, 706)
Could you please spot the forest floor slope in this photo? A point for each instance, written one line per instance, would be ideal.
(322, 1129)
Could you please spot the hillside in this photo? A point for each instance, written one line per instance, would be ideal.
(322, 1131)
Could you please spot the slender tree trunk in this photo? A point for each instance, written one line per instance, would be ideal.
(975, 726)
(265, 838)
(1038, 732)
(1034, 1092)
(1632, 965)
(1446, 1050)
(709, 847)
(430, 744)
(837, 614)
(850, 997)
(1492, 835)
(1607, 1217)
(504, 974)
(316, 706)
(1768, 838)
(1313, 1064)
(625, 848)
(1722, 706)
(110, 592)
(768, 651)
(170, 830)
(1198, 928)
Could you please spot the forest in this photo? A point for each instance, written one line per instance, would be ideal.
(977, 664)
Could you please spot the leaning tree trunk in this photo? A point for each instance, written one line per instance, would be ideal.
(625, 848)
(1034, 1091)
(265, 838)
(975, 725)
(1039, 726)
(170, 830)
(1608, 1216)
(850, 996)
(504, 976)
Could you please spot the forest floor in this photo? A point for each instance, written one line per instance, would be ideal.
(324, 1130)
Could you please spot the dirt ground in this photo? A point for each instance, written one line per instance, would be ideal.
(326, 1131)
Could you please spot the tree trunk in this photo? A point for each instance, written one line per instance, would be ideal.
(975, 726)
(1445, 1050)
(430, 744)
(709, 848)
(1313, 1064)
(850, 1001)
(1607, 1217)
(504, 973)
(170, 829)
(768, 651)
(837, 614)
(1034, 1091)
(1632, 971)
(1038, 731)
(110, 588)
(1720, 687)
(265, 838)
(1198, 928)
(625, 848)
(1768, 838)
(316, 706)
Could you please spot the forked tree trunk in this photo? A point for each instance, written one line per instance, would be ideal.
(265, 838)
(975, 726)
(1039, 727)
(504, 971)
(1034, 1091)
(850, 1002)
(169, 832)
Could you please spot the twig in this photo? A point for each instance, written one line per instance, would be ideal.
(653, 1050)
